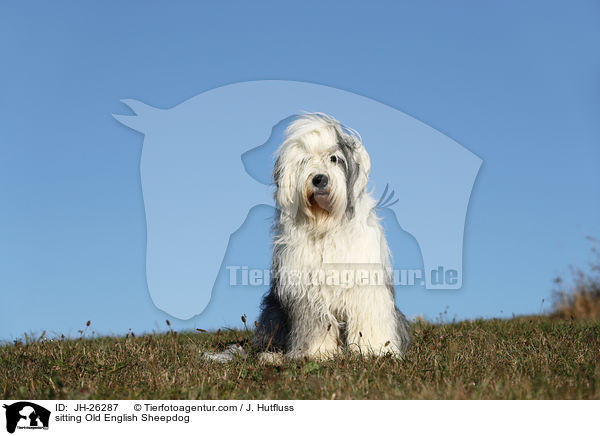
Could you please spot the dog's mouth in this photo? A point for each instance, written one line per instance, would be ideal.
(320, 199)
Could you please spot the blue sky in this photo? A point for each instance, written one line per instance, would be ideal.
(516, 83)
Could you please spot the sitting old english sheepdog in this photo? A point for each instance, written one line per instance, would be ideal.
(331, 283)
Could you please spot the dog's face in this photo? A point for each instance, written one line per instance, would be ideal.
(321, 170)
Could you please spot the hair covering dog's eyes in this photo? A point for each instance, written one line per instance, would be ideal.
(335, 159)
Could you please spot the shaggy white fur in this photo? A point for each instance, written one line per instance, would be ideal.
(331, 285)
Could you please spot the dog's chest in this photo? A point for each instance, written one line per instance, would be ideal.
(351, 247)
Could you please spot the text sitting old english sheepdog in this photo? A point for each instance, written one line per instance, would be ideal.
(326, 225)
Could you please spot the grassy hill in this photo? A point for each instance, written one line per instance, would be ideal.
(520, 358)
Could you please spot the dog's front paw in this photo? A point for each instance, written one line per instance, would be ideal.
(366, 348)
(271, 358)
(313, 354)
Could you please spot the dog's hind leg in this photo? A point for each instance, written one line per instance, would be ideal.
(403, 331)
(273, 326)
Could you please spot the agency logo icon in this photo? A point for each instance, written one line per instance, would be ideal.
(26, 415)
(206, 168)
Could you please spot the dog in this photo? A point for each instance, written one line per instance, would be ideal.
(326, 228)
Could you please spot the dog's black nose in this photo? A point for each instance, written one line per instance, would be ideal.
(320, 180)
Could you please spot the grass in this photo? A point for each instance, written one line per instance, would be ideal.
(580, 297)
(520, 358)
(539, 357)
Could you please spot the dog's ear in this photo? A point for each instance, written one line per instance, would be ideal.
(278, 179)
(277, 172)
(284, 183)
(359, 161)
(364, 168)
